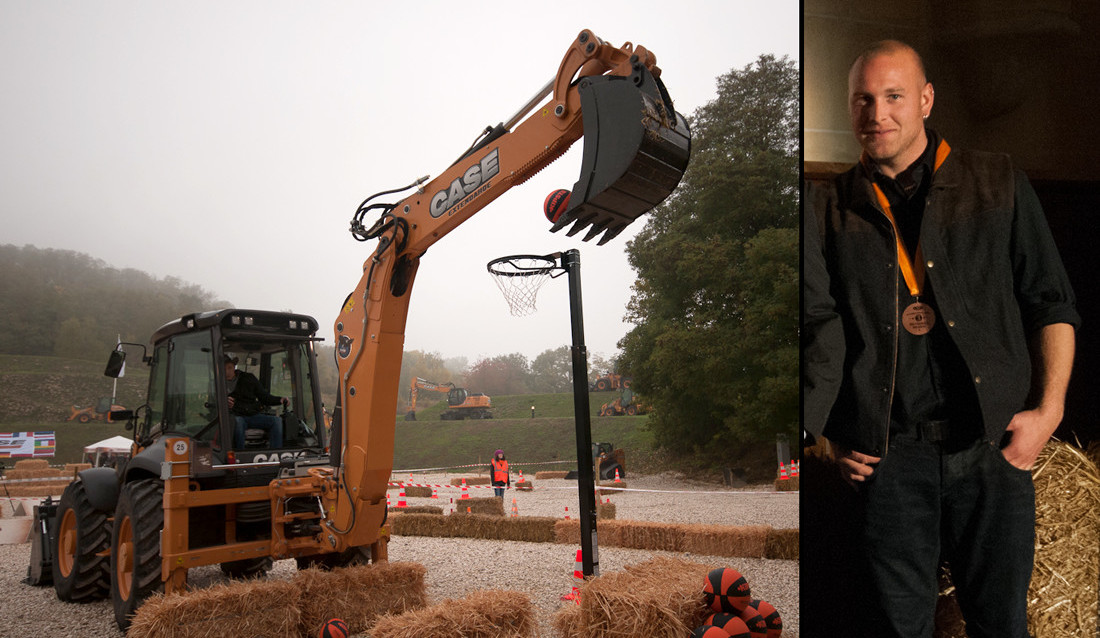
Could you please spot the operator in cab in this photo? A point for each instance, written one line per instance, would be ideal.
(247, 399)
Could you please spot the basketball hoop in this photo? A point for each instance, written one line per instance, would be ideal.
(519, 278)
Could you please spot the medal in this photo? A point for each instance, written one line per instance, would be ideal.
(918, 318)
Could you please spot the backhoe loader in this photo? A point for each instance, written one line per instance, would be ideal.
(193, 494)
(461, 403)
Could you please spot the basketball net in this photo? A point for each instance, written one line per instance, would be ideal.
(519, 278)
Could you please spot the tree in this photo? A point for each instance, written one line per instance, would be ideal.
(552, 371)
(500, 375)
(715, 305)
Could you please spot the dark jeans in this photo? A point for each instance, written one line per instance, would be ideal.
(970, 507)
(269, 422)
(498, 491)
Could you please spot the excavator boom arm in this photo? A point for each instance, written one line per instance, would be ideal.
(635, 152)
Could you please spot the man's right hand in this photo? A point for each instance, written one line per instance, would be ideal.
(855, 467)
(231, 402)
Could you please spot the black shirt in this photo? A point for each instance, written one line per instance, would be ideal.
(932, 382)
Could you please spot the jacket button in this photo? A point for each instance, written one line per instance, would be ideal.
(950, 324)
(977, 379)
(931, 263)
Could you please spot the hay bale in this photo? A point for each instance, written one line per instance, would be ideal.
(252, 608)
(651, 535)
(787, 485)
(524, 486)
(605, 511)
(608, 532)
(1062, 597)
(550, 474)
(471, 480)
(32, 464)
(72, 469)
(359, 595)
(608, 489)
(416, 491)
(482, 614)
(535, 529)
(724, 540)
(782, 544)
(489, 506)
(418, 509)
(37, 473)
(662, 597)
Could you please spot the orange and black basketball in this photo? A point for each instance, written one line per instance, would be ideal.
(555, 204)
(710, 631)
(771, 617)
(726, 591)
(758, 627)
(335, 628)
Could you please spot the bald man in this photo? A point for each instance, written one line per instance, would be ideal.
(942, 327)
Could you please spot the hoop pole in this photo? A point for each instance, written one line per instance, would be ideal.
(586, 484)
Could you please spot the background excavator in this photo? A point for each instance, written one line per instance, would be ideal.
(461, 404)
(193, 495)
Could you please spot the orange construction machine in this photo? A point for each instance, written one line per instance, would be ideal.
(610, 381)
(237, 470)
(461, 404)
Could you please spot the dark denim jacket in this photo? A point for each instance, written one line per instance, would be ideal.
(994, 266)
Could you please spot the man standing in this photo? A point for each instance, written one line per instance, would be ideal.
(942, 346)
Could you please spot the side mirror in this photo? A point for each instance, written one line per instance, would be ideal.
(116, 363)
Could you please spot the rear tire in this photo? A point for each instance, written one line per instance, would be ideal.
(135, 543)
(79, 575)
(326, 562)
(247, 568)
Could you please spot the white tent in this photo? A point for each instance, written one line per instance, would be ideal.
(111, 448)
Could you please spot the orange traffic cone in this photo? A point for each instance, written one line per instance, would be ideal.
(435, 493)
(468, 511)
(521, 476)
(617, 479)
(783, 472)
(465, 491)
(401, 498)
(515, 510)
(578, 577)
(794, 468)
(387, 500)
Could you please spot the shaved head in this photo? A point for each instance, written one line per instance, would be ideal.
(889, 47)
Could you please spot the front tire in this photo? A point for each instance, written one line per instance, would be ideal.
(135, 559)
(79, 575)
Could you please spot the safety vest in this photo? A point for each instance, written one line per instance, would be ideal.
(500, 470)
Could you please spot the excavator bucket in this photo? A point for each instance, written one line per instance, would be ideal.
(636, 149)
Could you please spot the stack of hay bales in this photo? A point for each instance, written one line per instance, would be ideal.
(482, 614)
(358, 595)
(489, 506)
(1062, 598)
(535, 529)
(662, 597)
(38, 469)
(418, 491)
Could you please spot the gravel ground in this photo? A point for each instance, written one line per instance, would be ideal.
(458, 566)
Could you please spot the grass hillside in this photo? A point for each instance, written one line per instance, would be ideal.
(39, 391)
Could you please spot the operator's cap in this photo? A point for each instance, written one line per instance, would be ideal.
(229, 358)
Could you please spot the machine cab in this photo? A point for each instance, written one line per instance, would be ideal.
(200, 361)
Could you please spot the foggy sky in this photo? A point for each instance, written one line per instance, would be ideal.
(228, 143)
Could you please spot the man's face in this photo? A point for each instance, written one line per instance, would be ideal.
(888, 98)
(230, 369)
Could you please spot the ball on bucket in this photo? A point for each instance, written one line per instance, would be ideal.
(758, 627)
(709, 631)
(771, 616)
(335, 628)
(726, 591)
(555, 204)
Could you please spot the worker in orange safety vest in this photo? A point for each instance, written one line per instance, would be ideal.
(498, 470)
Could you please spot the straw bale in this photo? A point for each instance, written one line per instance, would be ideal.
(605, 511)
(71, 469)
(37, 473)
(32, 464)
(252, 608)
(471, 480)
(359, 595)
(609, 532)
(417, 509)
(782, 544)
(1062, 598)
(788, 485)
(652, 535)
(524, 485)
(490, 506)
(662, 597)
(550, 474)
(534, 529)
(482, 614)
(415, 491)
(607, 489)
(725, 540)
